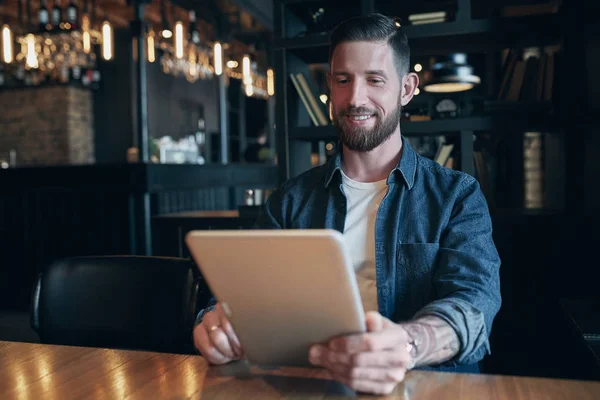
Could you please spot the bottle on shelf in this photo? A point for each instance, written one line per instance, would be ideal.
(28, 78)
(73, 15)
(64, 74)
(44, 17)
(20, 73)
(86, 78)
(76, 73)
(57, 18)
(200, 139)
(194, 34)
(95, 79)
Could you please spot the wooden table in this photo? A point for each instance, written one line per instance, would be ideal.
(34, 371)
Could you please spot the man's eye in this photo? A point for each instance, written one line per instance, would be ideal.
(342, 81)
(376, 81)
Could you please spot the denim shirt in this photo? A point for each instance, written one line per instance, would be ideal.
(433, 243)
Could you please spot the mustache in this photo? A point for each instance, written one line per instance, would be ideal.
(357, 110)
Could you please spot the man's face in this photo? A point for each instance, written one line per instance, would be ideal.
(365, 92)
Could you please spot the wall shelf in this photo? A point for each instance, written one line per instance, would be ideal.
(475, 36)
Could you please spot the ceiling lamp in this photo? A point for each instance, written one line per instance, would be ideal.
(452, 75)
(54, 46)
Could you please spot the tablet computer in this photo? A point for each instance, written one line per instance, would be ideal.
(282, 290)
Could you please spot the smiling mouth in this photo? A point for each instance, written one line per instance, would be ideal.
(359, 117)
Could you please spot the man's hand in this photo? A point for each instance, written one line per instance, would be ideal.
(374, 362)
(215, 339)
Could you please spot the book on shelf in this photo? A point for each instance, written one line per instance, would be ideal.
(530, 79)
(549, 76)
(427, 18)
(318, 108)
(533, 170)
(520, 10)
(511, 56)
(416, 117)
(448, 155)
(304, 100)
(528, 75)
(443, 153)
(541, 73)
(516, 82)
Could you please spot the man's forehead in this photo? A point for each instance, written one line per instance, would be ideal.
(364, 55)
(382, 46)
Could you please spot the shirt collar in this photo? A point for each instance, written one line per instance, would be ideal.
(406, 167)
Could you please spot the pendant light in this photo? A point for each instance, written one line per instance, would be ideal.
(452, 75)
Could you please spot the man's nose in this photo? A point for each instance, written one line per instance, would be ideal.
(357, 94)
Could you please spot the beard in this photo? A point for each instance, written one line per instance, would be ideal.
(364, 139)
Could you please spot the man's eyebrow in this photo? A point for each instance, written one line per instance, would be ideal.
(376, 72)
(369, 72)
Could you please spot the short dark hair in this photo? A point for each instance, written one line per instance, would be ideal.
(373, 28)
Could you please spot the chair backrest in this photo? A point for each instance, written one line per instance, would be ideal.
(125, 302)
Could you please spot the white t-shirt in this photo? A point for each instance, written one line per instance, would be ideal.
(363, 201)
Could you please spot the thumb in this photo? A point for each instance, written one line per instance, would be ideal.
(377, 322)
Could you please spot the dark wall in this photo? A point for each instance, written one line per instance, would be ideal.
(174, 104)
(113, 104)
(262, 10)
(591, 82)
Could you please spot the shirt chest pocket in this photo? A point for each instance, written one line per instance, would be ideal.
(415, 269)
(418, 257)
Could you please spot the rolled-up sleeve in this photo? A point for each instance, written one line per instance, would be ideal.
(467, 279)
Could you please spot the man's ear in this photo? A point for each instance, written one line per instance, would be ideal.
(410, 83)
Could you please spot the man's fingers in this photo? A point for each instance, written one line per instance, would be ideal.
(377, 322)
(218, 318)
(215, 332)
(382, 359)
(233, 339)
(372, 341)
(220, 341)
(205, 347)
(318, 354)
(374, 321)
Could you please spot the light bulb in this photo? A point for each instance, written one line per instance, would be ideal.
(179, 39)
(7, 45)
(107, 41)
(150, 43)
(270, 82)
(32, 56)
(218, 58)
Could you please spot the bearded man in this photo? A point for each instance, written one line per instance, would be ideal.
(420, 235)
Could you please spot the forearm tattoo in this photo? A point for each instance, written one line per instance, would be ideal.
(433, 341)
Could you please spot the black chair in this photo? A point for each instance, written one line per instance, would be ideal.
(124, 302)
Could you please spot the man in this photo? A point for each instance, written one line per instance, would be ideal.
(420, 234)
